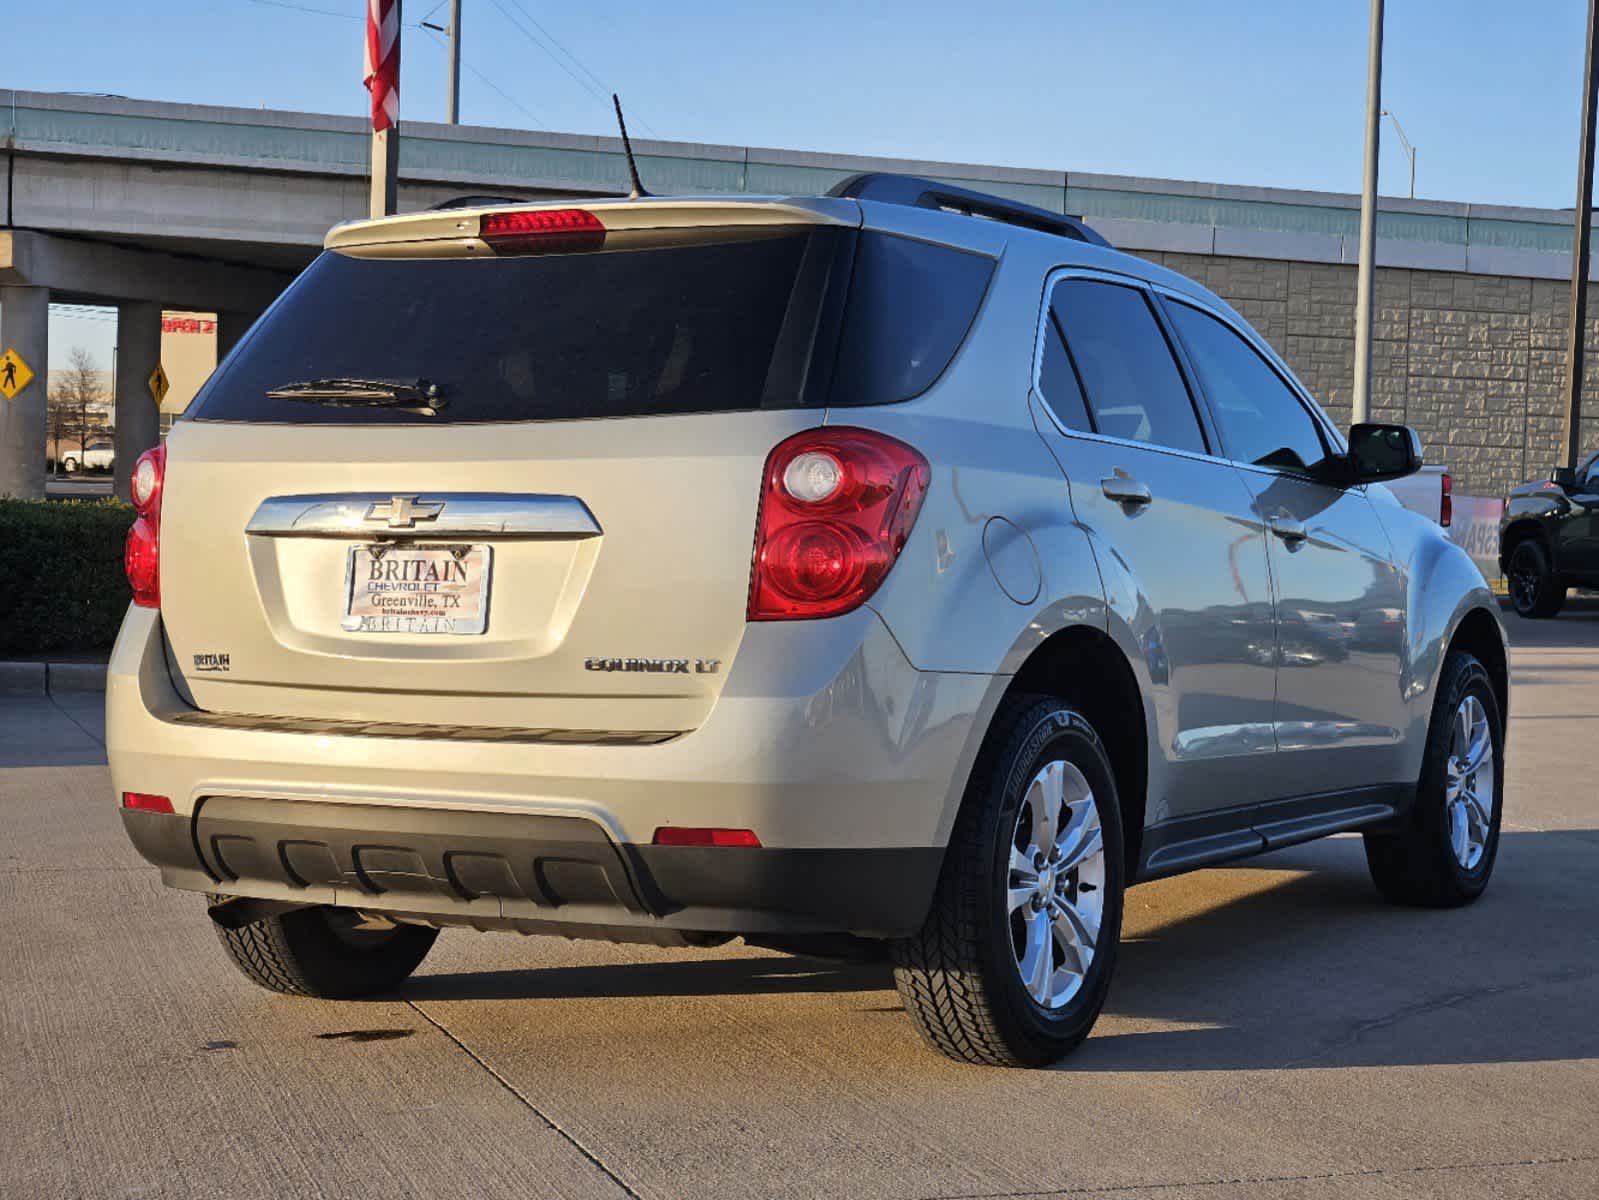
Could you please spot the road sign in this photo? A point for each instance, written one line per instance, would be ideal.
(159, 385)
(14, 374)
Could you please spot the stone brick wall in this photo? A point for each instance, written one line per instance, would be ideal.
(1473, 362)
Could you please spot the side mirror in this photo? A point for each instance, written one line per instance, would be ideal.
(1378, 452)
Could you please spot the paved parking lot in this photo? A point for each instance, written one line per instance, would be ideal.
(1274, 1031)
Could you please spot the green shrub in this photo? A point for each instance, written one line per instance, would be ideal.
(61, 581)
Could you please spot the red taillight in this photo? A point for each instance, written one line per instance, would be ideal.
(141, 555)
(146, 802)
(837, 505)
(681, 835)
(542, 231)
(1446, 506)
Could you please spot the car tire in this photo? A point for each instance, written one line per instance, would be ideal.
(1444, 855)
(70, 465)
(319, 952)
(1535, 589)
(961, 977)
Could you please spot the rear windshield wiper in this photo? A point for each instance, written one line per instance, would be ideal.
(342, 391)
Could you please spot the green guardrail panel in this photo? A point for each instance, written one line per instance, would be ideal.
(1522, 235)
(540, 166)
(197, 139)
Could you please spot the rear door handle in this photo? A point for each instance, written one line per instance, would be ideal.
(1290, 530)
(1125, 490)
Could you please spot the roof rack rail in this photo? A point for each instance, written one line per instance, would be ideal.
(915, 192)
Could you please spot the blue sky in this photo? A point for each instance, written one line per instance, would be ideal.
(1233, 91)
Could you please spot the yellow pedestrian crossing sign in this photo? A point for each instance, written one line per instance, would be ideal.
(159, 384)
(14, 374)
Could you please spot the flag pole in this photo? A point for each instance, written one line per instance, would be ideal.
(382, 79)
(385, 172)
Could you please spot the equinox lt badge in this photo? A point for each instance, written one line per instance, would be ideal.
(663, 666)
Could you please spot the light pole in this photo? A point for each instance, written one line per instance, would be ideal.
(1364, 275)
(1576, 331)
(1410, 151)
(452, 84)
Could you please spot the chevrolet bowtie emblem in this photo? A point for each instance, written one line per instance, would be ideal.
(402, 512)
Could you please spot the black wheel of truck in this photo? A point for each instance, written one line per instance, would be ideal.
(1535, 589)
(1013, 962)
(325, 953)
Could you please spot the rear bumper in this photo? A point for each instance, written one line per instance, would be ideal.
(846, 762)
(538, 874)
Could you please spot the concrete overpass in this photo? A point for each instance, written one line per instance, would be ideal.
(145, 204)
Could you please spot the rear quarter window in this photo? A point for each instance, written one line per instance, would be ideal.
(911, 305)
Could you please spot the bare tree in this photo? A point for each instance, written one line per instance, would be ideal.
(71, 404)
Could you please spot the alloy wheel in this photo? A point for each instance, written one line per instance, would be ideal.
(1469, 783)
(1055, 895)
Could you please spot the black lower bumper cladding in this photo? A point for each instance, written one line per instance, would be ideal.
(531, 872)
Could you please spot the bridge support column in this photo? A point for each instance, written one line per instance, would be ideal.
(138, 418)
(231, 326)
(25, 328)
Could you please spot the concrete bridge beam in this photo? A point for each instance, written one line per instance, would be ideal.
(25, 328)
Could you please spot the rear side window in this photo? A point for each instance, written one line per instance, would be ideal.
(722, 327)
(1133, 387)
(910, 306)
(1057, 381)
(1262, 421)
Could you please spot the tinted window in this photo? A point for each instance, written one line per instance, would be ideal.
(542, 337)
(1133, 387)
(1057, 380)
(689, 329)
(910, 305)
(1262, 421)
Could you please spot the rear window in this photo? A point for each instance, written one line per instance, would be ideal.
(793, 321)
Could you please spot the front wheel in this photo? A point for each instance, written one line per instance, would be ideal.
(1535, 589)
(1013, 962)
(1446, 852)
(325, 952)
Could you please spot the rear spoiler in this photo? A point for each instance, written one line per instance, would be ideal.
(618, 223)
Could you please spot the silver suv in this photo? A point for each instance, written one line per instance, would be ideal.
(902, 569)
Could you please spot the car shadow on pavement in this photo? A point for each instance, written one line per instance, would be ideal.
(1291, 960)
(1310, 968)
(693, 977)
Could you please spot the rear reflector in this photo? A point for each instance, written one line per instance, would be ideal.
(1446, 506)
(146, 802)
(542, 231)
(680, 835)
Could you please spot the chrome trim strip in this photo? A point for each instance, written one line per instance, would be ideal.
(334, 727)
(346, 515)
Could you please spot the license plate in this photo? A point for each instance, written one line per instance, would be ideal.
(417, 589)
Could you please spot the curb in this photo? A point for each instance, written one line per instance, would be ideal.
(43, 679)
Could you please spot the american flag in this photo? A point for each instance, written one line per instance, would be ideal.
(382, 73)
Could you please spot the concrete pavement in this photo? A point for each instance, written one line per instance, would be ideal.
(1274, 1031)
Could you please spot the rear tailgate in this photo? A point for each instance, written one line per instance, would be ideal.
(564, 542)
(256, 620)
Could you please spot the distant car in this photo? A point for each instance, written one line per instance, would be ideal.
(97, 456)
(898, 570)
(1549, 540)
